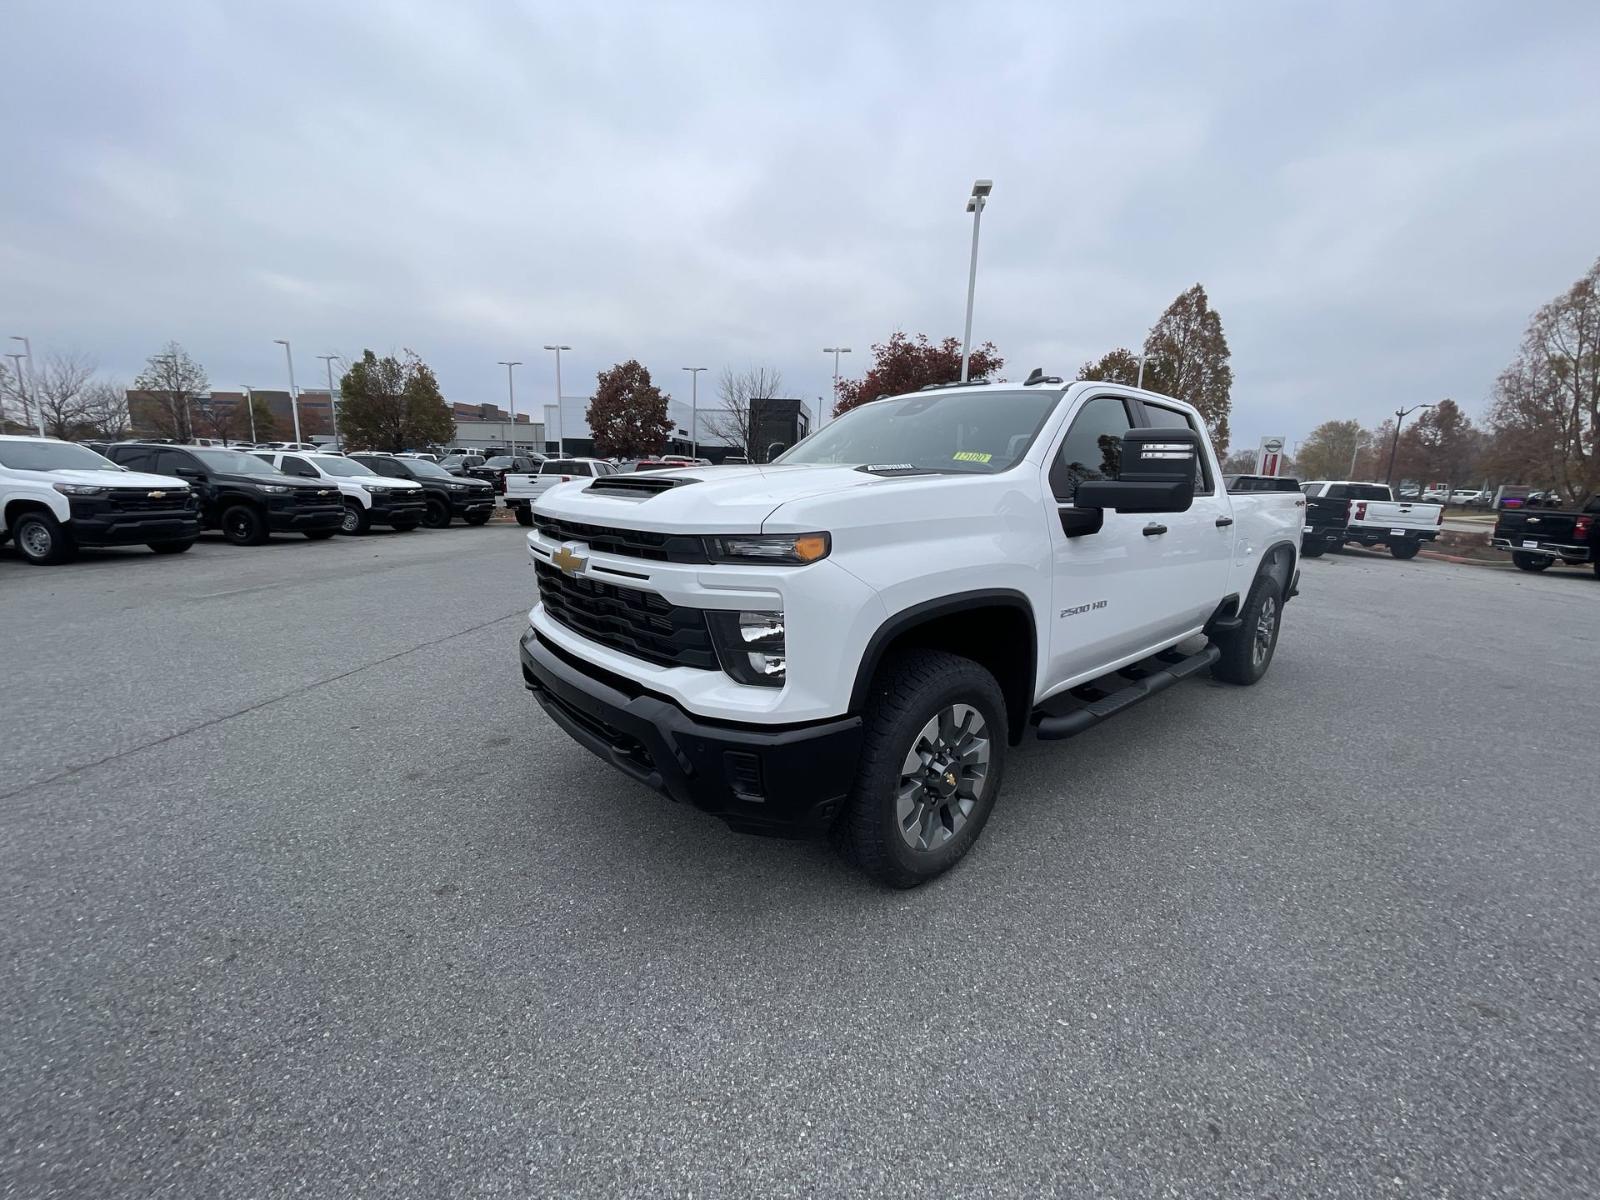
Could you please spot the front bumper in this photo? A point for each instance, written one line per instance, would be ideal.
(295, 519)
(93, 524)
(783, 781)
(465, 504)
(1565, 551)
(386, 510)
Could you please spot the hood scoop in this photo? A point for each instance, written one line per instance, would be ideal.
(638, 487)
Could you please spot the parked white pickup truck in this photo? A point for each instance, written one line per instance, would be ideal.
(522, 490)
(1375, 518)
(848, 639)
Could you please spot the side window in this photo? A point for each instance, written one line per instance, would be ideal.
(1338, 491)
(135, 458)
(1313, 490)
(585, 469)
(169, 462)
(1169, 418)
(1093, 446)
(558, 466)
(298, 466)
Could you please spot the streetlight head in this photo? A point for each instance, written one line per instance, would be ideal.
(972, 205)
(558, 347)
(982, 187)
(280, 341)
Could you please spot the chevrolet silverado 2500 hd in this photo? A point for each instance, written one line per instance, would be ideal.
(848, 639)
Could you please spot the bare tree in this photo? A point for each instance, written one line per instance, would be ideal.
(11, 415)
(105, 408)
(221, 417)
(738, 421)
(59, 393)
(165, 392)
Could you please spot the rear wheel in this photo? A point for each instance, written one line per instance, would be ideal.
(437, 515)
(480, 518)
(524, 515)
(1532, 562)
(356, 518)
(1405, 549)
(1313, 550)
(244, 526)
(1247, 651)
(930, 767)
(42, 541)
(171, 547)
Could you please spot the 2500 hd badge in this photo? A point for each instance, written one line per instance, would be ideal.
(821, 646)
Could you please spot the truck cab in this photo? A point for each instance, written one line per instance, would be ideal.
(848, 639)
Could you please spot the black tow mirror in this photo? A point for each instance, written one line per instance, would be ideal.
(1156, 474)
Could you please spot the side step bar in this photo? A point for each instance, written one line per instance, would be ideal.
(1091, 714)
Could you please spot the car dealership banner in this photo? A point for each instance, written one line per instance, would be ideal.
(1269, 456)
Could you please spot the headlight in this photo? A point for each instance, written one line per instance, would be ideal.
(273, 489)
(750, 646)
(769, 548)
(377, 489)
(457, 487)
(79, 489)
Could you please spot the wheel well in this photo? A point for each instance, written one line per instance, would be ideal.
(1278, 564)
(16, 508)
(993, 629)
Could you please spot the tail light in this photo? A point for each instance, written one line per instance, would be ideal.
(566, 479)
(1440, 521)
(1361, 510)
(1580, 529)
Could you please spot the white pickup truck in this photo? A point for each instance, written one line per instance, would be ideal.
(1374, 518)
(848, 639)
(522, 490)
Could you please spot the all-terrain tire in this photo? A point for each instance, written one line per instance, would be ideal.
(1532, 562)
(1247, 651)
(911, 692)
(1313, 550)
(1405, 549)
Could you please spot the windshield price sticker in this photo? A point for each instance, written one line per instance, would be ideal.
(977, 456)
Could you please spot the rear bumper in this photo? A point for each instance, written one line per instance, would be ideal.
(1382, 535)
(1565, 551)
(780, 781)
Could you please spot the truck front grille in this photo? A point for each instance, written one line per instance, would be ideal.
(642, 624)
(149, 499)
(630, 543)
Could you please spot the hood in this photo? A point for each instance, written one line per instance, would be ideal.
(708, 499)
(110, 479)
(398, 485)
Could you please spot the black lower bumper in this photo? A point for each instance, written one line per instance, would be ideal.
(788, 781)
(131, 530)
(298, 520)
(471, 506)
(399, 512)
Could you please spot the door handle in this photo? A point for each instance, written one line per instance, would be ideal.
(1152, 530)
(1224, 522)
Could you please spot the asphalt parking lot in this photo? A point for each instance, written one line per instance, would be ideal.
(304, 897)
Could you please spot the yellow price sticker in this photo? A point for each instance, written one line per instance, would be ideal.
(977, 456)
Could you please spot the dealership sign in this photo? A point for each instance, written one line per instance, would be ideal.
(1269, 456)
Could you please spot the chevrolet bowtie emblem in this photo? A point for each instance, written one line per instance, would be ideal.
(568, 561)
(155, 495)
(950, 778)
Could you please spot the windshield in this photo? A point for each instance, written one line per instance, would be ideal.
(970, 433)
(499, 460)
(331, 465)
(52, 456)
(426, 469)
(233, 462)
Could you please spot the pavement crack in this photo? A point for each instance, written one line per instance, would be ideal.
(69, 772)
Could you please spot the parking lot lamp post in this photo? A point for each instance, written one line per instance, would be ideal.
(294, 399)
(33, 385)
(559, 430)
(333, 411)
(511, 399)
(836, 351)
(1394, 446)
(1142, 357)
(694, 410)
(22, 391)
(250, 407)
(975, 202)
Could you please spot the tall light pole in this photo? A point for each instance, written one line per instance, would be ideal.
(294, 397)
(975, 203)
(559, 422)
(1142, 357)
(333, 410)
(22, 390)
(511, 399)
(838, 350)
(1399, 415)
(33, 384)
(250, 407)
(694, 410)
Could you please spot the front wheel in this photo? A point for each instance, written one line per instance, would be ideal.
(1532, 562)
(930, 768)
(1405, 549)
(437, 516)
(171, 547)
(356, 518)
(1247, 651)
(404, 526)
(481, 518)
(42, 541)
(244, 526)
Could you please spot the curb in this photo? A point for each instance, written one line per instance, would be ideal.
(1471, 562)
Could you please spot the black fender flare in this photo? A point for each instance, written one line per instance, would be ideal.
(907, 619)
(1281, 562)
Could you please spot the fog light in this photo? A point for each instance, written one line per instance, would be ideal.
(750, 645)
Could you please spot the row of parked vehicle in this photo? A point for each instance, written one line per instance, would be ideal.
(56, 496)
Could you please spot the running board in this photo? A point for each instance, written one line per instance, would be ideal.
(1091, 714)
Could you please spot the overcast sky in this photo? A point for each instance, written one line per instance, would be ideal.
(1375, 195)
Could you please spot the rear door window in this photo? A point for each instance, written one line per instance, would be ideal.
(135, 458)
(293, 465)
(558, 466)
(169, 462)
(1171, 418)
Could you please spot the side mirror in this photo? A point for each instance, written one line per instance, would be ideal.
(1156, 475)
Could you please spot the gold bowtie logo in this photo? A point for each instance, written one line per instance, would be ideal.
(569, 562)
(155, 495)
(950, 778)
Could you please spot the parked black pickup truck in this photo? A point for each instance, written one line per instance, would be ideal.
(1327, 520)
(1539, 537)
